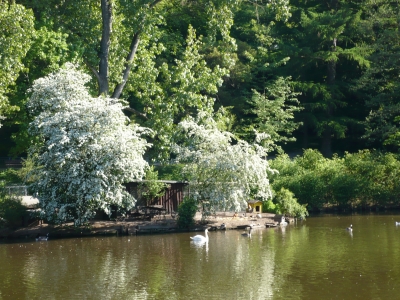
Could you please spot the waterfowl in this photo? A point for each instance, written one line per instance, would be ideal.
(397, 223)
(247, 234)
(42, 237)
(200, 238)
(223, 226)
(350, 228)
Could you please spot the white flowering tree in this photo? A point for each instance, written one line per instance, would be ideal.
(223, 172)
(86, 151)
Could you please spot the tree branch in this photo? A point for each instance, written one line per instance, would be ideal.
(133, 48)
(138, 113)
(132, 52)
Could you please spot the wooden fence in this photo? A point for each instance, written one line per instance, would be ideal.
(174, 193)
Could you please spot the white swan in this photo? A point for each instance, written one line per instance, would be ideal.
(200, 238)
(397, 223)
(248, 234)
(350, 228)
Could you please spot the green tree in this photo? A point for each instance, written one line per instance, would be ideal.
(275, 110)
(326, 51)
(152, 188)
(380, 84)
(259, 98)
(48, 52)
(16, 36)
(148, 52)
(287, 204)
(12, 211)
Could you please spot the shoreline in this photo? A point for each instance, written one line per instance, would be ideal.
(161, 225)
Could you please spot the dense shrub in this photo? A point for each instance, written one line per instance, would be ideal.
(12, 211)
(268, 207)
(287, 205)
(186, 212)
(358, 180)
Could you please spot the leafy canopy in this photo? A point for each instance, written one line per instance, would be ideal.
(16, 34)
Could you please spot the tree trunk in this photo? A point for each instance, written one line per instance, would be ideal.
(102, 76)
(132, 51)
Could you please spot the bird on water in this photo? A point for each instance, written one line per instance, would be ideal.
(350, 228)
(42, 237)
(247, 234)
(200, 238)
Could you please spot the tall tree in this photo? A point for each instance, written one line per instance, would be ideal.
(326, 52)
(16, 35)
(380, 84)
(260, 99)
(141, 50)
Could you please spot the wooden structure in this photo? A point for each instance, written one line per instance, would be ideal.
(255, 206)
(13, 163)
(174, 193)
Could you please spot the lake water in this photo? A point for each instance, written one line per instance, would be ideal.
(315, 259)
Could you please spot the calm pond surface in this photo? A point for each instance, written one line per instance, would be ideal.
(315, 259)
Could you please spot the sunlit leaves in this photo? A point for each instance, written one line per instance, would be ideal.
(275, 110)
(16, 33)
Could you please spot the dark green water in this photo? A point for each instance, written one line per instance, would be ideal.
(316, 259)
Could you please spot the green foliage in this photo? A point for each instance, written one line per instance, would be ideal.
(151, 188)
(12, 211)
(268, 207)
(356, 180)
(10, 176)
(287, 204)
(171, 172)
(379, 85)
(16, 33)
(186, 212)
(275, 109)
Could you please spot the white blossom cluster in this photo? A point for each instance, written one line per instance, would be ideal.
(222, 173)
(86, 151)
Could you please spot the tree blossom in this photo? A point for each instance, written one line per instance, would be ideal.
(86, 151)
(224, 173)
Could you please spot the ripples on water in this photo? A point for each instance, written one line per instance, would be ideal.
(316, 259)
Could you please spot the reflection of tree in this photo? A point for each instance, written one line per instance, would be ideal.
(269, 265)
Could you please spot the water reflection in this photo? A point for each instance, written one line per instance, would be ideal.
(315, 259)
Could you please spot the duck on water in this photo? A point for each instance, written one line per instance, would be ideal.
(42, 237)
(248, 234)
